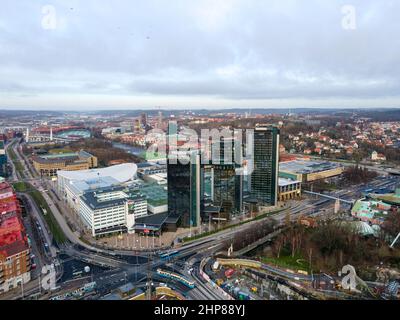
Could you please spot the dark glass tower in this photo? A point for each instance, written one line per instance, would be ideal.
(228, 185)
(185, 190)
(264, 178)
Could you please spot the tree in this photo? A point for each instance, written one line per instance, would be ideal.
(391, 226)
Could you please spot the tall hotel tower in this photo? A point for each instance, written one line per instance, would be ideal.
(264, 179)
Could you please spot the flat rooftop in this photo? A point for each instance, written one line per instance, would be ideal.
(307, 166)
(92, 184)
(121, 172)
(286, 182)
(93, 201)
(155, 220)
(156, 194)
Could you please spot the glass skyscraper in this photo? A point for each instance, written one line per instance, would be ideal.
(227, 184)
(185, 189)
(264, 178)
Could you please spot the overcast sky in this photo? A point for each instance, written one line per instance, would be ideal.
(96, 54)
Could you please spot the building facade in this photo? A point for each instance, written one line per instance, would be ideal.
(264, 178)
(15, 262)
(309, 171)
(48, 165)
(3, 159)
(105, 211)
(227, 183)
(289, 189)
(185, 189)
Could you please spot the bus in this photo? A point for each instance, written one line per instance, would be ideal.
(177, 277)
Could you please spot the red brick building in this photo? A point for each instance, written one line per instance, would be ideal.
(14, 247)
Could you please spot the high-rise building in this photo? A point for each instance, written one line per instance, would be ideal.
(172, 128)
(227, 183)
(264, 178)
(143, 120)
(3, 159)
(136, 126)
(185, 188)
(160, 119)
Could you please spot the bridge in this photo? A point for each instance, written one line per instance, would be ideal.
(351, 202)
(257, 243)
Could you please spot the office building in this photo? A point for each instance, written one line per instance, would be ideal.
(48, 165)
(93, 178)
(264, 178)
(143, 120)
(3, 159)
(112, 209)
(227, 191)
(185, 188)
(105, 211)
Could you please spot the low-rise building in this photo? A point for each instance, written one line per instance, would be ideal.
(288, 189)
(308, 171)
(122, 173)
(375, 156)
(49, 165)
(371, 211)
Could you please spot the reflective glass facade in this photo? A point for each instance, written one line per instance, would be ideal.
(228, 186)
(264, 179)
(185, 191)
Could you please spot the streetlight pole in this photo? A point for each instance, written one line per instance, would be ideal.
(22, 288)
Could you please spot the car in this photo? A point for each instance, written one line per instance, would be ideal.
(33, 266)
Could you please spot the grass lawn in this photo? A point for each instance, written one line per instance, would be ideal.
(21, 187)
(18, 166)
(48, 216)
(60, 151)
(44, 208)
(287, 261)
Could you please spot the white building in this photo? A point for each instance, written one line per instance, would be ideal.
(111, 210)
(375, 156)
(121, 173)
(75, 189)
(105, 211)
(159, 178)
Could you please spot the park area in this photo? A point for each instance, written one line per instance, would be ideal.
(44, 209)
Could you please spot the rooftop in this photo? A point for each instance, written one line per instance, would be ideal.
(6, 207)
(79, 187)
(121, 172)
(94, 201)
(155, 220)
(286, 182)
(307, 166)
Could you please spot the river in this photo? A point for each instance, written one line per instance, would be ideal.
(137, 151)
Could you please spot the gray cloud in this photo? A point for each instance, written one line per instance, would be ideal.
(168, 52)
